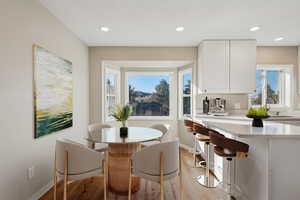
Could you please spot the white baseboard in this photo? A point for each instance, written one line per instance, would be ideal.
(42, 191)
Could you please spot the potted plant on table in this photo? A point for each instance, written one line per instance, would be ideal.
(121, 113)
(257, 116)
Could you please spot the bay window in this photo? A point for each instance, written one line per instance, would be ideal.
(185, 92)
(111, 91)
(150, 94)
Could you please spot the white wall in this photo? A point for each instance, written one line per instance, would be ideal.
(22, 24)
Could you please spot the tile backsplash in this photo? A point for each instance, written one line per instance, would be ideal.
(233, 101)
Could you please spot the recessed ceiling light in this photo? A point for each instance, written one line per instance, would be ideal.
(278, 39)
(254, 28)
(180, 29)
(104, 28)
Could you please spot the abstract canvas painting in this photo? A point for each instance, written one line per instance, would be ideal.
(53, 92)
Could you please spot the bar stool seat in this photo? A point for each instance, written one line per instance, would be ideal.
(224, 152)
(203, 138)
(202, 135)
(190, 128)
(229, 149)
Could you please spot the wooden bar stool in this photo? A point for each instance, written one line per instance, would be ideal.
(190, 128)
(229, 149)
(202, 135)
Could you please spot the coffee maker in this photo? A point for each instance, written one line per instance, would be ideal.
(217, 106)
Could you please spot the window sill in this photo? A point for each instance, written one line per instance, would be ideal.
(274, 107)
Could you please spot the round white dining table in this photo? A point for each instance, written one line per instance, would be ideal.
(120, 150)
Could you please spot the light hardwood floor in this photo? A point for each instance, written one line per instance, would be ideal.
(149, 190)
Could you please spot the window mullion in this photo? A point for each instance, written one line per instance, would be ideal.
(282, 87)
(265, 88)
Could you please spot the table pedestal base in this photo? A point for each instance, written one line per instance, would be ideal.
(118, 165)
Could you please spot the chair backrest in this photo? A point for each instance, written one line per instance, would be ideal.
(97, 127)
(147, 160)
(164, 128)
(227, 143)
(80, 158)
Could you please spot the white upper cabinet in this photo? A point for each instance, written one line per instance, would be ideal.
(227, 66)
(213, 66)
(242, 66)
(298, 69)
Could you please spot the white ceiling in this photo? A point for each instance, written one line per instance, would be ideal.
(153, 22)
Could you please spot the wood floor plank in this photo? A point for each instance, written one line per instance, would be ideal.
(148, 190)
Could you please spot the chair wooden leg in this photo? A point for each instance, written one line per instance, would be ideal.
(84, 188)
(162, 175)
(130, 179)
(180, 187)
(180, 178)
(65, 175)
(55, 179)
(195, 151)
(55, 184)
(104, 179)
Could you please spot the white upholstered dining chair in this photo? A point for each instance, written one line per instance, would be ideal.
(94, 131)
(163, 165)
(164, 128)
(74, 161)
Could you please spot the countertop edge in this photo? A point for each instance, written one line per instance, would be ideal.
(211, 125)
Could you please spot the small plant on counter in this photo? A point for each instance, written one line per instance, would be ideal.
(257, 116)
(251, 112)
(260, 112)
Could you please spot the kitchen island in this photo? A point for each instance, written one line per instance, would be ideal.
(271, 171)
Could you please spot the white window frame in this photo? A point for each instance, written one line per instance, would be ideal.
(181, 73)
(112, 69)
(172, 101)
(286, 92)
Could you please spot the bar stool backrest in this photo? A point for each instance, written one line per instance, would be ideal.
(226, 143)
(198, 128)
(188, 123)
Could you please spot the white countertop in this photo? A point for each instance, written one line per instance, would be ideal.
(243, 128)
(242, 116)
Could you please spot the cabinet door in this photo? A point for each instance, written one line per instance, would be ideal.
(214, 67)
(299, 70)
(242, 66)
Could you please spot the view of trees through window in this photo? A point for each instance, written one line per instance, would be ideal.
(267, 87)
(187, 93)
(149, 95)
(111, 96)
